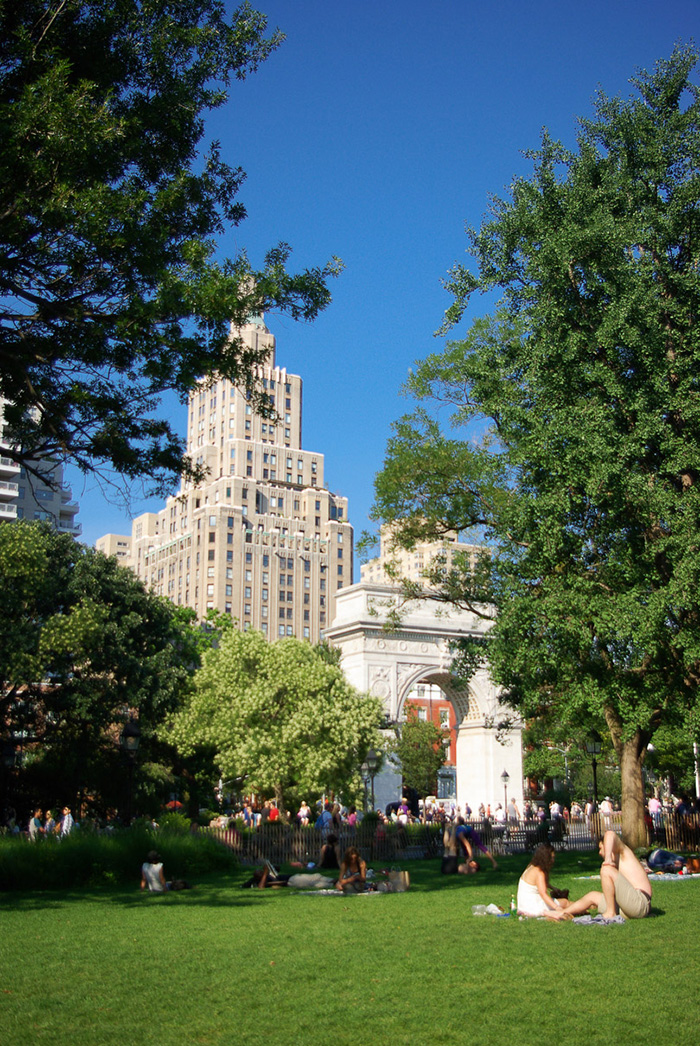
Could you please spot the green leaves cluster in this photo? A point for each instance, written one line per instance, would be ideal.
(421, 752)
(280, 718)
(576, 417)
(82, 645)
(111, 202)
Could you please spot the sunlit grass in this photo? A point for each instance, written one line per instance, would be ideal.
(223, 965)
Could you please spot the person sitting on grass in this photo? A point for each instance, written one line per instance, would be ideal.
(533, 887)
(353, 872)
(152, 874)
(625, 884)
(535, 898)
(329, 858)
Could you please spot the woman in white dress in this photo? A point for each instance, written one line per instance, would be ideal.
(533, 891)
(533, 887)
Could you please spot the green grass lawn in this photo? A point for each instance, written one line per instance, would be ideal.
(220, 965)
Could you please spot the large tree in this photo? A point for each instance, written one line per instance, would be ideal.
(83, 647)
(280, 718)
(577, 407)
(111, 201)
(420, 749)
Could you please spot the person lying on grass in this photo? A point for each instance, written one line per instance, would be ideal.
(268, 877)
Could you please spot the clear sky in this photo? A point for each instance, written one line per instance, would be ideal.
(376, 132)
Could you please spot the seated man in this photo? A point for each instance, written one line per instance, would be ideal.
(624, 882)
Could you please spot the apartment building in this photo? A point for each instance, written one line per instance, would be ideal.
(394, 563)
(262, 539)
(37, 494)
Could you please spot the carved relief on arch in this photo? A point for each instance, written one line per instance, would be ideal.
(405, 673)
(380, 682)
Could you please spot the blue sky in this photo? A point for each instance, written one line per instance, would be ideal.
(376, 132)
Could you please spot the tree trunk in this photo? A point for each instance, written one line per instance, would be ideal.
(632, 754)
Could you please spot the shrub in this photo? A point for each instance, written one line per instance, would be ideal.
(174, 822)
(88, 860)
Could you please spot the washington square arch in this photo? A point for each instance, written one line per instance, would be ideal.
(389, 662)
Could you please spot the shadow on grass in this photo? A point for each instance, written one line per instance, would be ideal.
(210, 893)
(214, 891)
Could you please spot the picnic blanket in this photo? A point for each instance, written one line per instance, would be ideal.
(656, 877)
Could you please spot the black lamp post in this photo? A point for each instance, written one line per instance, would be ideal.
(505, 777)
(372, 762)
(129, 741)
(593, 746)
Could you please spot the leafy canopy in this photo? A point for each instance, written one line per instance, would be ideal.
(280, 717)
(575, 451)
(111, 200)
(421, 752)
(82, 646)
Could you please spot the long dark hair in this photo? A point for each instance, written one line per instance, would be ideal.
(543, 857)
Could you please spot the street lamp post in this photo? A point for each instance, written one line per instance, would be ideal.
(372, 761)
(505, 777)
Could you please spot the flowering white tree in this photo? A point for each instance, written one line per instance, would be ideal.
(279, 717)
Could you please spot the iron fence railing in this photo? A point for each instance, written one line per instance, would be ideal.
(282, 843)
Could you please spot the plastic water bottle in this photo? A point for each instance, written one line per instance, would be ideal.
(512, 904)
(479, 909)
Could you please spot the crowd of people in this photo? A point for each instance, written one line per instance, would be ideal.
(43, 825)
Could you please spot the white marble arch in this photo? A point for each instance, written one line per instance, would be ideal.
(389, 662)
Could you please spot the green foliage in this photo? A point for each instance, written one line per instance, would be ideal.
(81, 644)
(112, 199)
(174, 823)
(86, 859)
(278, 716)
(421, 752)
(576, 452)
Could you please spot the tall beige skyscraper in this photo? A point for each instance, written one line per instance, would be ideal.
(262, 539)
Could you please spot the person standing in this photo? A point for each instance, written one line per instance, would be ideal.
(67, 823)
(35, 828)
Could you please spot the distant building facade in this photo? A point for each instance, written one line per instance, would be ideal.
(394, 564)
(39, 494)
(262, 539)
